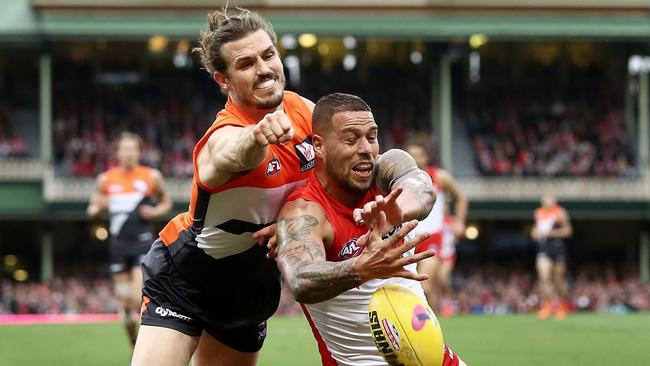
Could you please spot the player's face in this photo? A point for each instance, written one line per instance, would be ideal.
(548, 200)
(255, 76)
(351, 150)
(420, 156)
(128, 152)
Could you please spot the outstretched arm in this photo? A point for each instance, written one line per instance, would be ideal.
(231, 149)
(396, 168)
(302, 232)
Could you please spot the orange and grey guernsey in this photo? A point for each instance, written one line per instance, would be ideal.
(127, 190)
(221, 219)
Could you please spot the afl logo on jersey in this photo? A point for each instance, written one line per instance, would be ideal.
(140, 186)
(350, 249)
(115, 188)
(273, 167)
(305, 152)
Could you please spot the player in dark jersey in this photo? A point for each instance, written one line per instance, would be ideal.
(552, 227)
(325, 256)
(133, 195)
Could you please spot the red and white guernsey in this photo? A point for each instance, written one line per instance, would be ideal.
(222, 219)
(433, 223)
(340, 325)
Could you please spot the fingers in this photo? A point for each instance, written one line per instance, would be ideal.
(412, 275)
(392, 196)
(274, 128)
(375, 229)
(273, 248)
(358, 218)
(401, 233)
(417, 257)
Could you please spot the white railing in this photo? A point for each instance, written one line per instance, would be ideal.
(68, 189)
(578, 189)
(21, 170)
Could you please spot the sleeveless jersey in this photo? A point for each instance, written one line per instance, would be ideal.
(546, 219)
(340, 325)
(221, 219)
(433, 223)
(127, 190)
(448, 247)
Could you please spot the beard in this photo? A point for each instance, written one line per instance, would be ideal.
(360, 188)
(274, 100)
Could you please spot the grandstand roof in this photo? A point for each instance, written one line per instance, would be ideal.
(430, 19)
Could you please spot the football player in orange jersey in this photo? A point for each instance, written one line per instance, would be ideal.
(133, 195)
(552, 227)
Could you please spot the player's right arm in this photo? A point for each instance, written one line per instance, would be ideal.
(233, 149)
(98, 200)
(302, 232)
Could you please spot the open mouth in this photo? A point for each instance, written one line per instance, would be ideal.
(363, 169)
(266, 83)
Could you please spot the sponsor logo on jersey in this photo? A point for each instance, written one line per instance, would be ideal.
(391, 333)
(380, 340)
(115, 188)
(350, 249)
(305, 152)
(273, 167)
(140, 186)
(164, 312)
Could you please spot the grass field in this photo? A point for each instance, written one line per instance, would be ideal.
(516, 340)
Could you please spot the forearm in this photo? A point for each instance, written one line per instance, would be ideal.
(317, 282)
(461, 205)
(240, 153)
(418, 196)
(397, 168)
(93, 211)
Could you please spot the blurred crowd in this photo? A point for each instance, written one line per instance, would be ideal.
(70, 295)
(526, 136)
(492, 290)
(11, 143)
(482, 290)
(170, 116)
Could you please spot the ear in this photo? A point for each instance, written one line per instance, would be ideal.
(317, 142)
(221, 79)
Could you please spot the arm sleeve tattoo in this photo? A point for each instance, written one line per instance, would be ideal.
(397, 168)
(302, 261)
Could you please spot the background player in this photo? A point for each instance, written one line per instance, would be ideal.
(133, 195)
(332, 264)
(438, 268)
(552, 226)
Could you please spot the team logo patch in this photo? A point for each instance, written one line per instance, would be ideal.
(273, 167)
(350, 249)
(115, 188)
(140, 186)
(305, 152)
(419, 317)
(391, 333)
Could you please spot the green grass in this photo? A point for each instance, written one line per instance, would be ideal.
(515, 340)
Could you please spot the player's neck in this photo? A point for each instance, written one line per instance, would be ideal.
(337, 192)
(253, 113)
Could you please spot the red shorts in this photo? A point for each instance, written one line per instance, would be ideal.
(434, 242)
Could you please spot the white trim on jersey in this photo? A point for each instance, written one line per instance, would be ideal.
(250, 204)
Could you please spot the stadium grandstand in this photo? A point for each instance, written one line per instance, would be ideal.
(514, 98)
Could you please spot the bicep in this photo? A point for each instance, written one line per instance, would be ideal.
(394, 167)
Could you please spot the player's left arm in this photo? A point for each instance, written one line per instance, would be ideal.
(163, 198)
(564, 229)
(449, 186)
(396, 168)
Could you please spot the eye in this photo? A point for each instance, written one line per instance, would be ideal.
(269, 55)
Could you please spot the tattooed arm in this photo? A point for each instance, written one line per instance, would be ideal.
(303, 231)
(396, 168)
